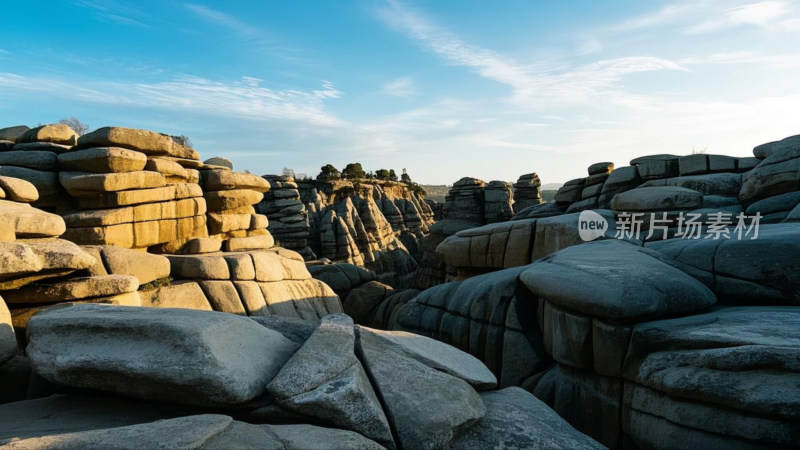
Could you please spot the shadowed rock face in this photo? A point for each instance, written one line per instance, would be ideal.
(381, 389)
(374, 226)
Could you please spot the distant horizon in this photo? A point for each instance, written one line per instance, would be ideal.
(444, 89)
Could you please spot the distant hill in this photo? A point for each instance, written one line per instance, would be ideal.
(552, 186)
(436, 192)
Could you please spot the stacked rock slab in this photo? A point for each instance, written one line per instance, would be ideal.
(465, 201)
(378, 389)
(33, 157)
(649, 351)
(232, 218)
(498, 199)
(134, 189)
(657, 197)
(287, 215)
(253, 282)
(527, 191)
(38, 270)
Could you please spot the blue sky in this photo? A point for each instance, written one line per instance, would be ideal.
(442, 88)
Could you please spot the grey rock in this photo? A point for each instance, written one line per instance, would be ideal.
(516, 419)
(777, 203)
(309, 437)
(59, 414)
(325, 380)
(764, 150)
(439, 356)
(180, 355)
(13, 133)
(656, 198)
(736, 368)
(616, 280)
(8, 340)
(427, 408)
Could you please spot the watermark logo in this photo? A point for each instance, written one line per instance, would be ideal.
(591, 225)
(717, 225)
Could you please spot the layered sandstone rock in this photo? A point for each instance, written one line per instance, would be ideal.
(34, 157)
(527, 191)
(232, 218)
(133, 189)
(287, 215)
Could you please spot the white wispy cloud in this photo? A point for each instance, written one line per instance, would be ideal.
(255, 36)
(243, 99)
(226, 20)
(698, 17)
(762, 14)
(401, 87)
(532, 84)
(115, 11)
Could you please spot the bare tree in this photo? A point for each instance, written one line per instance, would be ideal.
(76, 125)
(183, 140)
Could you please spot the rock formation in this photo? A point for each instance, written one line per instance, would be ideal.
(288, 216)
(664, 338)
(639, 337)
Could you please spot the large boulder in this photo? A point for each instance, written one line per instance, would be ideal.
(439, 356)
(753, 270)
(325, 380)
(184, 356)
(55, 133)
(617, 281)
(516, 419)
(103, 160)
(148, 142)
(427, 408)
(778, 173)
(657, 198)
(729, 378)
(208, 431)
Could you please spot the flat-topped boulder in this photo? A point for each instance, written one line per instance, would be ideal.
(13, 133)
(46, 182)
(231, 199)
(657, 198)
(55, 133)
(85, 184)
(30, 159)
(29, 222)
(179, 355)
(221, 180)
(656, 166)
(723, 184)
(618, 281)
(600, 168)
(103, 160)
(765, 150)
(18, 190)
(148, 142)
(73, 289)
(778, 173)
